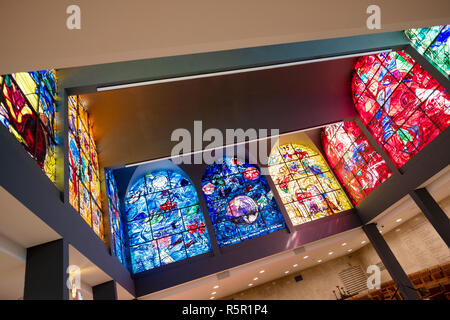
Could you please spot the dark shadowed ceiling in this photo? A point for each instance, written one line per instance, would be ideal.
(135, 124)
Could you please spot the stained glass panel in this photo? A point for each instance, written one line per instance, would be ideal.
(360, 168)
(27, 109)
(84, 175)
(239, 201)
(434, 44)
(410, 110)
(164, 220)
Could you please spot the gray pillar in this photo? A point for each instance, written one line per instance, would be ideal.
(404, 285)
(45, 271)
(105, 291)
(434, 213)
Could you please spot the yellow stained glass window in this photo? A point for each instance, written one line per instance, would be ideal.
(306, 186)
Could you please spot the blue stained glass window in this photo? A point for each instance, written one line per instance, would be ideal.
(116, 231)
(164, 219)
(240, 203)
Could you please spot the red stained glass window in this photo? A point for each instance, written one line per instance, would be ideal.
(354, 161)
(400, 103)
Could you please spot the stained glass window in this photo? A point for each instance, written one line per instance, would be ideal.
(164, 219)
(354, 161)
(116, 228)
(84, 182)
(434, 44)
(306, 185)
(400, 103)
(27, 109)
(240, 203)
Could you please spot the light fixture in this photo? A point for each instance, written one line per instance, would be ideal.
(398, 220)
(398, 229)
(213, 293)
(305, 257)
(350, 250)
(344, 244)
(262, 271)
(255, 278)
(319, 261)
(330, 253)
(286, 272)
(250, 284)
(295, 265)
(215, 287)
(364, 241)
(211, 298)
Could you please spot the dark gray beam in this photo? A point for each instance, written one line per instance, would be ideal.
(404, 285)
(105, 291)
(45, 271)
(434, 213)
(87, 79)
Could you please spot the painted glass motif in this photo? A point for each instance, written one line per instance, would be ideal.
(306, 185)
(240, 203)
(434, 44)
(28, 109)
(116, 227)
(84, 182)
(164, 219)
(400, 103)
(355, 162)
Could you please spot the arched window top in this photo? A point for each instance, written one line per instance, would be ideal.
(433, 43)
(401, 104)
(240, 203)
(165, 221)
(305, 183)
(354, 161)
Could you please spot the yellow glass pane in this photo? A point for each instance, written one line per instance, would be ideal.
(85, 204)
(28, 87)
(50, 164)
(95, 188)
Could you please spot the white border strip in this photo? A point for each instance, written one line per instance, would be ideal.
(222, 73)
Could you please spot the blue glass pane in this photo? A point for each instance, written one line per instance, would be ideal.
(184, 196)
(274, 221)
(196, 242)
(226, 233)
(144, 257)
(135, 208)
(139, 231)
(167, 223)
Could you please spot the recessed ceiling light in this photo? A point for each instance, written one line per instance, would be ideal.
(213, 293)
(295, 265)
(330, 253)
(255, 278)
(215, 287)
(344, 244)
(364, 241)
(398, 220)
(349, 250)
(262, 271)
(250, 284)
(305, 257)
(381, 231)
(398, 229)
(286, 272)
(211, 298)
(319, 261)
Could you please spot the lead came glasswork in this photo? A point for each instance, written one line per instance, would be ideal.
(307, 187)
(355, 162)
(84, 182)
(164, 219)
(434, 44)
(27, 109)
(400, 103)
(240, 203)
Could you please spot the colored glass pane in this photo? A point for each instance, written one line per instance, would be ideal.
(23, 112)
(408, 112)
(305, 183)
(434, 44)
(164, 220)
(357, 165)
(240, 203)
